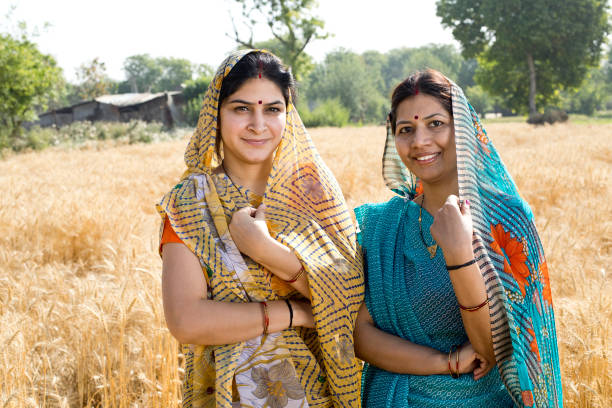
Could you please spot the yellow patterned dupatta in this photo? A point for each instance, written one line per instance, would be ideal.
(305, 210)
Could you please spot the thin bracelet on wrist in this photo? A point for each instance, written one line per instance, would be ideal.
(457, 365)
(455, 267)
(474, 308)
(264, 305)
(297, 275)
(290, 313)
(450, 371)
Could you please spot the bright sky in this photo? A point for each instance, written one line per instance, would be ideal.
(112, 30)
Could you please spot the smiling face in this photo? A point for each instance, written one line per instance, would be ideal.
(425, 139)
(252, 122)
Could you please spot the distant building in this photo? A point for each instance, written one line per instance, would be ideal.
(164, 107)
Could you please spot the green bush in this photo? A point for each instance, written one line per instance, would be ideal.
(78, 133)
(191, 111)
(193, 93)
(328, 113)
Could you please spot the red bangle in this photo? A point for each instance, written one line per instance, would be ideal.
(475, 308)
(457, 365)
(266, 318)
(297, 276)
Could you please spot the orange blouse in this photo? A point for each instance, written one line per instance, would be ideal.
(169, 235)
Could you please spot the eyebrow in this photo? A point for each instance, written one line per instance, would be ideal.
(253, 103)
(401, 122)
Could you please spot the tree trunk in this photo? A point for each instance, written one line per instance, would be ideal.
(532, 86)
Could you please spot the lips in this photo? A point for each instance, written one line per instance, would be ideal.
(256, 142)
(427, 158)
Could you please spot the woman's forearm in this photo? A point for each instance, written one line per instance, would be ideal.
(395, 354)
(470, 291)
(193, 319)
(284, 264)
(213, 323)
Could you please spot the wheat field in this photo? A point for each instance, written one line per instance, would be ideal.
(81, 320)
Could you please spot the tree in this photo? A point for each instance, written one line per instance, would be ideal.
(142, 72)
(147, 74)
(344, 76)
(194, 93)
(608, 67)
(28, 79)
(591, 96)
(93, 79)
(292, 25)
(174, 73)
(405, 61)
(528, 49)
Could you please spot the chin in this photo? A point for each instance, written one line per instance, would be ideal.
(257, 159)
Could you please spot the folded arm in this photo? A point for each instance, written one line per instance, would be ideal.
(193, 319)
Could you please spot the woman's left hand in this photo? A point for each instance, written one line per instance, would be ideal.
(452, 230)
(249, 230)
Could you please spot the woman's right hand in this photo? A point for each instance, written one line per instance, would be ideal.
(302, 313)
(470, 361)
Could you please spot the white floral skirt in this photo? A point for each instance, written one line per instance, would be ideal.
(266, 377)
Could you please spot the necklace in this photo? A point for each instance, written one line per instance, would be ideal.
(430, 248)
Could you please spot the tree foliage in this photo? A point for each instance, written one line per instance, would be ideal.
(362, 83)
(28, 80)
(293, 27)
(141, 72)
(345, 76)
(93, 79)
(591, 96)
(174, 73)
(193, 93)
(147, 74)
(528, 50)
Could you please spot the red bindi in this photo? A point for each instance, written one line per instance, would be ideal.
(416, 117)
(259, 102)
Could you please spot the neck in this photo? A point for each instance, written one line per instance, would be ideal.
(253, 177)
(437, 194)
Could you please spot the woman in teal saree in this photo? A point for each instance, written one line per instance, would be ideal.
(458, 309)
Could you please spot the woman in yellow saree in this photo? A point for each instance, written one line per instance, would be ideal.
(261, 278)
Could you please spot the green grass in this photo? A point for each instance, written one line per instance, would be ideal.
(506, 119)
(601, 117)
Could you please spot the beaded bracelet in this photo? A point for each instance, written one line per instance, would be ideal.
(266, 318)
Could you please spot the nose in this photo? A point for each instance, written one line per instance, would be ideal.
(421, 136)
(258, 123)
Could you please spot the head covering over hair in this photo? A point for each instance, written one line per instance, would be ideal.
(509, 254)
(306, 211)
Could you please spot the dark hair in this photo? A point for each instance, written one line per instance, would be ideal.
(430, 82)
(251, 66)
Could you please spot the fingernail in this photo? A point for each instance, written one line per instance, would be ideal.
(467, 202)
